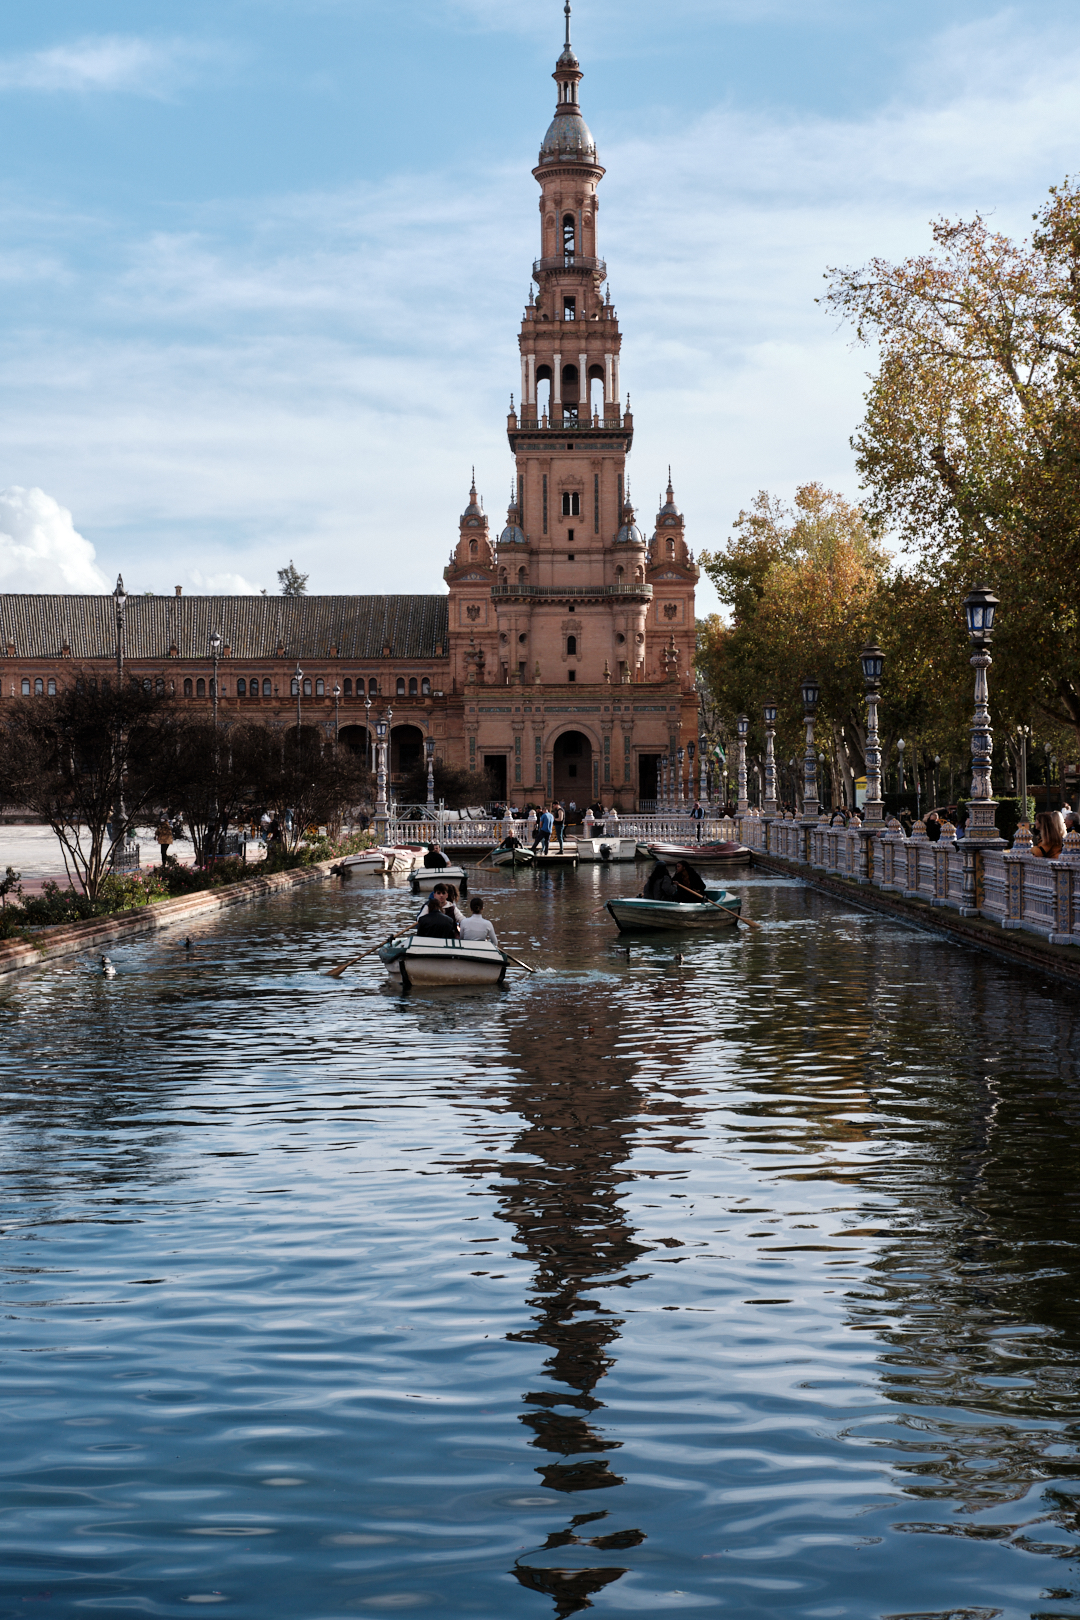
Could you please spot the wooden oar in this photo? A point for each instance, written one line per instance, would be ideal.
(336, 972)
(518, 962)
(703, 900)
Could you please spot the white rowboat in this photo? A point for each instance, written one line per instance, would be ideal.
(424, 878)
(411, 960)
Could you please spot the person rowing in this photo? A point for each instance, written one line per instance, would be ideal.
(660, 885)
(691, 885)
(435, 857)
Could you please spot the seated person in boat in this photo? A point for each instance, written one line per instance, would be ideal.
(434, 859)
(448, 897)
(660, 885)
(477, 926)
(690, 884)
(434, 922)
(510, 842)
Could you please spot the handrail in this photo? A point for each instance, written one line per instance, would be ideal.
(639, 589)
(569, 261)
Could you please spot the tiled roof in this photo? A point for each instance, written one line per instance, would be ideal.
(251, 626)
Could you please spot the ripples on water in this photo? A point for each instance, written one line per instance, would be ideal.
(746, 1285)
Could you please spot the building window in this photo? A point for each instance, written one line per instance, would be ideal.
(347, 686)
(472, 548)
(523, 575)
(401, 686)
(569, 307)
(425, 686)
(159, 686)
(268, 690)
(571, 674)
(39, 687)
(294, 686)
(545, 479)
(412, 686)
(373, 687)
(146, 685)
(571, 503)
(25, 687)
(307, 688)
(568, 235)
(320, 688)
(571, 646)
(187, 688)
(241, 687)
(200, 687)
(52, 688)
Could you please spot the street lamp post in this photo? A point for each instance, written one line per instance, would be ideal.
(872, 660)
(900, 746)
(1046, 772)
(679, 802)
(298, 677)
(370, 739)
(119, 826)
(215, 654)
(811, 692)
(769, 711)
(691, 750)
(981, 832)
(337, 714)
(1023, 733)
(429, 749)
(742, 726)
(937, 780)
(703, 769)
(381, 730)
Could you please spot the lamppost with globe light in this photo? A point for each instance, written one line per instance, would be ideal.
(872, 660)
(769, 712)
(215, 654)
(429, 749)
(811, 692)
(337, 714)
(298, 676)
(742, 727)
(679, 803)
(900, 746)
(119, 827)
(980, 606)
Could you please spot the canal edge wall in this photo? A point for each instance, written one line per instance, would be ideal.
(1028, 950)
(98, 933)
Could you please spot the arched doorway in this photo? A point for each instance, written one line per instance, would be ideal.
(572, 777)
(406, 750)
(356, 740)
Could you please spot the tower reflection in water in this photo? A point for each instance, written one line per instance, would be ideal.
(562, 1198)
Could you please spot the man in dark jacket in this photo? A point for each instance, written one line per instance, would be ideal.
(690, 884)
(435, 859)
(434, 923)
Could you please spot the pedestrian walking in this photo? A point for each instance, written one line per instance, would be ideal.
(543, 831)
(560, 825)
(164, 836)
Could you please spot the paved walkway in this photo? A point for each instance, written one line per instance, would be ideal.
(37, 854)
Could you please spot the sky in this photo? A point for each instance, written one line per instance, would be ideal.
(263, 262)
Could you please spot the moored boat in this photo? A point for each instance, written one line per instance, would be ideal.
(714, 854)
(634, 915)
(366, 862)
(607, 849)
(424, 878)
(511, 857)
(401, 857)
(411, 959)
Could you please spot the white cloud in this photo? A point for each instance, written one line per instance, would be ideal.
(222, 584)
(106, 63)
(40, 548)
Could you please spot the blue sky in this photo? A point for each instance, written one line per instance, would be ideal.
(262, 262)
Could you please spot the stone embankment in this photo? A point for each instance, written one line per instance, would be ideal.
(101, 933)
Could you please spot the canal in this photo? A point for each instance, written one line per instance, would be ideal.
(746, 1283)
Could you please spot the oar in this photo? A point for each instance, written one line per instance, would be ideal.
(702, 900)
(518, 962)
(336, 972)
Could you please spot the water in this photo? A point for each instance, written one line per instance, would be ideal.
(745, 1286)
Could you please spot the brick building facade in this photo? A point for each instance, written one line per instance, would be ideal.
(561, 657)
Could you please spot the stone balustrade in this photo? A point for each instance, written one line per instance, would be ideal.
(486, 830)
(1011, 887)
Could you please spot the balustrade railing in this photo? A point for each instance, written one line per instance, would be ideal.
(1013, 887)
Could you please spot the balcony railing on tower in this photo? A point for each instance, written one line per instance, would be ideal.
(570, 261)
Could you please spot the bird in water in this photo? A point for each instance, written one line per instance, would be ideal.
(679, 959)
(107, 968)
(189, 944)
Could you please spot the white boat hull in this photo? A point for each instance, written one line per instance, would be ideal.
(411, 960)
(368, 861)
(670, 916)
(424, 878)
(399, 858)
(621, 849)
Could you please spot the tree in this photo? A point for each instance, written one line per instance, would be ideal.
(803, 584)
(72, 758)
(292, 581)
(304, 781)
(970, 447)
(456, 788)
(211, 776)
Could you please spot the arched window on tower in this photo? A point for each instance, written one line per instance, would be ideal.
(571, 646)
(472, 548)
(671, 548)
(571, 503)
(568, 236)
(543, 391)
(523, 575)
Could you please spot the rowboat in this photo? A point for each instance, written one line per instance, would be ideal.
(607, 849)
(424, 878)
(511, 857)
(701, 854)
(401, 857)
(368, 861)
(411, 960)
(635, 916)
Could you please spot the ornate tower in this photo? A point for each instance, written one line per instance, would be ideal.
(586, 625)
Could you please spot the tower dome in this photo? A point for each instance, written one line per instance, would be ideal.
(569, 138)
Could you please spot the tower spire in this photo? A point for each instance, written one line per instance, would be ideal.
(566, 8)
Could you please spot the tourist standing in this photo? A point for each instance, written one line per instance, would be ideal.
(560, 825)
(543, 831)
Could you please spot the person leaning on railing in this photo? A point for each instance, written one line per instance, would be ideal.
(1049, 834)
